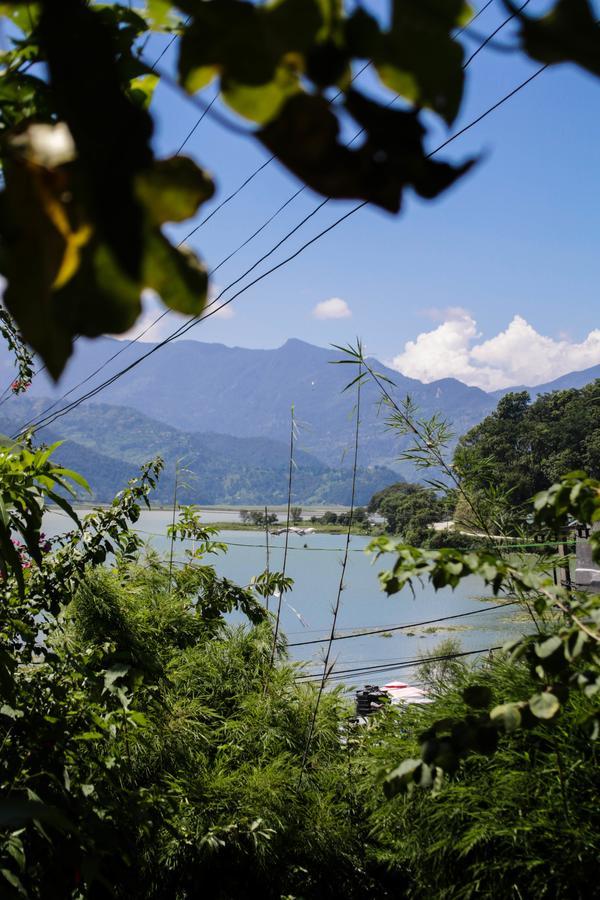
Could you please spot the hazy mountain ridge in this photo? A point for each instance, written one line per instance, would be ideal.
(200, 387)
(576, 379)
(107, 444)
(238, 400)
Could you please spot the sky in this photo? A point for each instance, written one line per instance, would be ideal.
(495, 283)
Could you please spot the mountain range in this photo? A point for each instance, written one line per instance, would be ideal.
(226, 411)
(107, 444)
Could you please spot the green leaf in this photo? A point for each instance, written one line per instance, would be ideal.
(88, 736)
(15, 881)
(304, 136)
(15, 812)
(397, 781)
(568, 33)
(161, 15)
(227, 34)
(23, 15)
(173, 189)
(114, 673)
(73, 476)
(11, 713)
(177, 275)
(477, 696)
(544, 706)
(293, 23)
(141, 89)
(508, 715)
(262, 102)
(419, 59)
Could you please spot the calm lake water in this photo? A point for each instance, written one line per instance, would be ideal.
(314, 562)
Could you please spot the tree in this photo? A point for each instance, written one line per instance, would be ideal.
(258, 518)
(522, 447)
(560, 657)
(360, 515)
(409, 509)
(296, 514)
(244, 516)
(329, 518)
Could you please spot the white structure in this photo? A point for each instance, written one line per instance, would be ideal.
(587, 572)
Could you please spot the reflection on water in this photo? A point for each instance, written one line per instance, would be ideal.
(314, 562)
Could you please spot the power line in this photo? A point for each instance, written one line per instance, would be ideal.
(246, 241)
(196, 124)
(253, 175)
(201, 317)
(232, 196)
(491, 36)
(355, 634)
(183, 240)
(343, 674)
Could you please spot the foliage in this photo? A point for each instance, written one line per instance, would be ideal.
(359, 518)
(562, 657)
(524, 447)
(82, 191)
(107, 444)
(147, 746)
(22, 356)
(257, 517)
(409, 509)
(84, 194)
(523, 822)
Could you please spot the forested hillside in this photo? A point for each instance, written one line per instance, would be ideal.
(523, 446)
(107, 444)
(202, 387)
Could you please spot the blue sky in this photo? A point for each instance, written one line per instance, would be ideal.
(516, 237)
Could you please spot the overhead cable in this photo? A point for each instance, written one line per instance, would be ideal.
(206, 314)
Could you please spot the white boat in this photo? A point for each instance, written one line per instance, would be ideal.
(400, 692)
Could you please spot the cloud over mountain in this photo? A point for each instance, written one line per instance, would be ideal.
(517, 355)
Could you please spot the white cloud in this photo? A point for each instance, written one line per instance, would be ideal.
(441, 314)
(517, 355)
(335, 308)
(225, 312)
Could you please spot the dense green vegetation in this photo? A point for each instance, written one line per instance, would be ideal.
(521, 823)
(523, 447)
(149, 746)
(107, 444)
(409, 509)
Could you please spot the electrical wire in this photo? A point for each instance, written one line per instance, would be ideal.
(166, 312)
(343, 674)
(204, 315)
(355, 634)
(223, 203)
(244, 243)
(491, 36)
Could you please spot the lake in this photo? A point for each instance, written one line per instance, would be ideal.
(314, 562)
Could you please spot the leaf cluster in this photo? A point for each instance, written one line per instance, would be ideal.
(84, 195)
